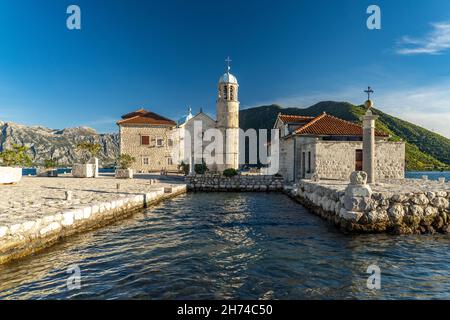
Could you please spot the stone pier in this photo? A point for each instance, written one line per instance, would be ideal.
(393, 206)
(37, 212)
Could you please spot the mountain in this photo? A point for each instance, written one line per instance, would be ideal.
(59, 145)
(425, 150)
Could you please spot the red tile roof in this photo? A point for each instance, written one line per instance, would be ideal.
(332, 126)
(286, 118)
(143, 116)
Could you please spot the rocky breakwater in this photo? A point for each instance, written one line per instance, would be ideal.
(219, 183)
(401, 207)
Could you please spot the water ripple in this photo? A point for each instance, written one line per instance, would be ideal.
(231, 246)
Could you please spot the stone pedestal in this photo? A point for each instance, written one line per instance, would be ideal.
(9, 175)
(357, 194)
(369, 143)
(124, 174)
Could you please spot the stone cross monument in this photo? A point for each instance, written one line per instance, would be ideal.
(369, 139)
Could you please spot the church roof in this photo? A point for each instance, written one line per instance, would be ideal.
(227, 77)
(185, 118)
(332, 126)
(143, 116)
(287, 118)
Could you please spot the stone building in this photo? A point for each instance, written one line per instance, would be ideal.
(147, 136)
(332, 148)
(160, 143)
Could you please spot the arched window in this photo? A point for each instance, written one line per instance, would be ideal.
(225, 92)
(231, 93)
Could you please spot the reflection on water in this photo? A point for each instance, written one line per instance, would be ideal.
(237, 246)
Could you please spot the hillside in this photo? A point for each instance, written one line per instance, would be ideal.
(425, 150)
(60, 145)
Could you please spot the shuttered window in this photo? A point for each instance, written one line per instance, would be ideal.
(145, 140)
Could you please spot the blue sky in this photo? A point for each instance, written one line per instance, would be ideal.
(166, 55)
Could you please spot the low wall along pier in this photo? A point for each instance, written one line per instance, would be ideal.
(240, 183)
(398, 207)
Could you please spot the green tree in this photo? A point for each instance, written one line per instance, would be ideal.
(50, 163)
(126, 160)
(15, 157)
(87, 150)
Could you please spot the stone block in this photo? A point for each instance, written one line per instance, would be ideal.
(352, 216)
(396, 213)
(440, 203)
(10, 175)
(124, 174)
(68, 218)
(358, 191)
(420, 199)
(3, 231)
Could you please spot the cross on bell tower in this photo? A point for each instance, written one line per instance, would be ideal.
(228, 60)
(369, 91)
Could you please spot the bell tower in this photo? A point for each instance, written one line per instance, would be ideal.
(227, 110)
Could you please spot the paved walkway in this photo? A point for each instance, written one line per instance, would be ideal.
(393, 186)
(35, 197)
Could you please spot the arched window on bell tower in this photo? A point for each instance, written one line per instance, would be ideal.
(232, 93)
(225, 92)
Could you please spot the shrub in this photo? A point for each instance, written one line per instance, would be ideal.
(201, 168)
(230, 172)
(50, 163)
(184, 167)
(15, 157)
(126, 160)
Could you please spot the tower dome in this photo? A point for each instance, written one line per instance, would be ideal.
(185, 118)
(227, 77)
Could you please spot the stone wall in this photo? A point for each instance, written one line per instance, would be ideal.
(130, 143)
(286, 159)
(336, 159)
(360, 212)
(390, 160)
(217, 182)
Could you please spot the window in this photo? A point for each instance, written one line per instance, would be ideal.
(169, 161)
(225, 92)
(170, 142)
(145, 140)
(309, 161)
(359, 160)
(303, 165)
(159, 142)
(145, 161)
(231, 93)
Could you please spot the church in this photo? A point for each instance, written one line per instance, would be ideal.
(322, 146)
(161, 144)
(331, 148)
